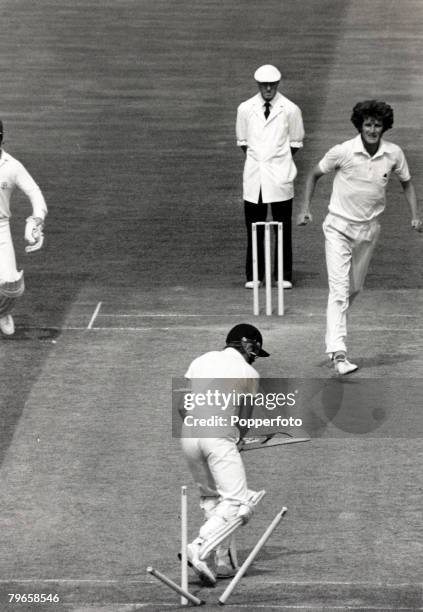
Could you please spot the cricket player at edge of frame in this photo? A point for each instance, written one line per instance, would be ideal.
(362, 166)
(13, 174)
(215, 462)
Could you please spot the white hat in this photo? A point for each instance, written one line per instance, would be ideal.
(267, 74)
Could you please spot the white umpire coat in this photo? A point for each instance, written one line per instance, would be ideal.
(268, 164)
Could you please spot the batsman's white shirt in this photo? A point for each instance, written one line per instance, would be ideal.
(13, 174)
(359, 186)
(227, 372)
(268, 164)
(228, 363)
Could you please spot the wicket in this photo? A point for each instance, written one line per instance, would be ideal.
(186, 596)
(268, 267)
(175, 587)
(253, 554)
(184, 543)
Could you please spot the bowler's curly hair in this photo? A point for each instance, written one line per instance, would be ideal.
(374, 109)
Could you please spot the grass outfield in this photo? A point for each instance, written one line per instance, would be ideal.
(124, 113)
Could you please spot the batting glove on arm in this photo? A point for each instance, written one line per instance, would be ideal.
(34, 234)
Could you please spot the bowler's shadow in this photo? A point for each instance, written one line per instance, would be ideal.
(23, 332)
(385, 359)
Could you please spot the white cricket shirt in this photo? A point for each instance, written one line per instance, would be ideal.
(359, 186)
(13, 174)
(223, 374)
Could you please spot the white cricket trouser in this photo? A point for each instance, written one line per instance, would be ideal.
(218, 471)
(216, 467)
(349, 248)
(8, 270)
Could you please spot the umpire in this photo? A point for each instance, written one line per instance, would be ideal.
(269, 129)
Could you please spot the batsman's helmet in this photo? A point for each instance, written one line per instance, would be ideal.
(244, 332)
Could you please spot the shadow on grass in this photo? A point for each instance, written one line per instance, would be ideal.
(23, 355)
(385, 359)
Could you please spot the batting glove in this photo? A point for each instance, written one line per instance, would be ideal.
(34, 234)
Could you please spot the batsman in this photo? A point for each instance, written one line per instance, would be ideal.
(212, 453)
(12, 175)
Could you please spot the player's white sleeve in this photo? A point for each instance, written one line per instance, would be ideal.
(296, 128)
(252, 385)
(26, 183)
(401, 167)
(331, 160)
(241, 126)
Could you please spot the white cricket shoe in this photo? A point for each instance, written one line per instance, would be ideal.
(200, 567)
(7, 325)
(286, 284)
(250, 284)
(343, 366)
(226, 566)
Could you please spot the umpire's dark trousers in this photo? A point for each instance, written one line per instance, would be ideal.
(281, 211)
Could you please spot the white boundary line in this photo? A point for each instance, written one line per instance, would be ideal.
(314, 608)
(128, 607)
(324, 608)
(288, 583)
(176, 327)
(238, 314)
(404, 330)
(171, 315)
(279, 606)
(95, 313)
